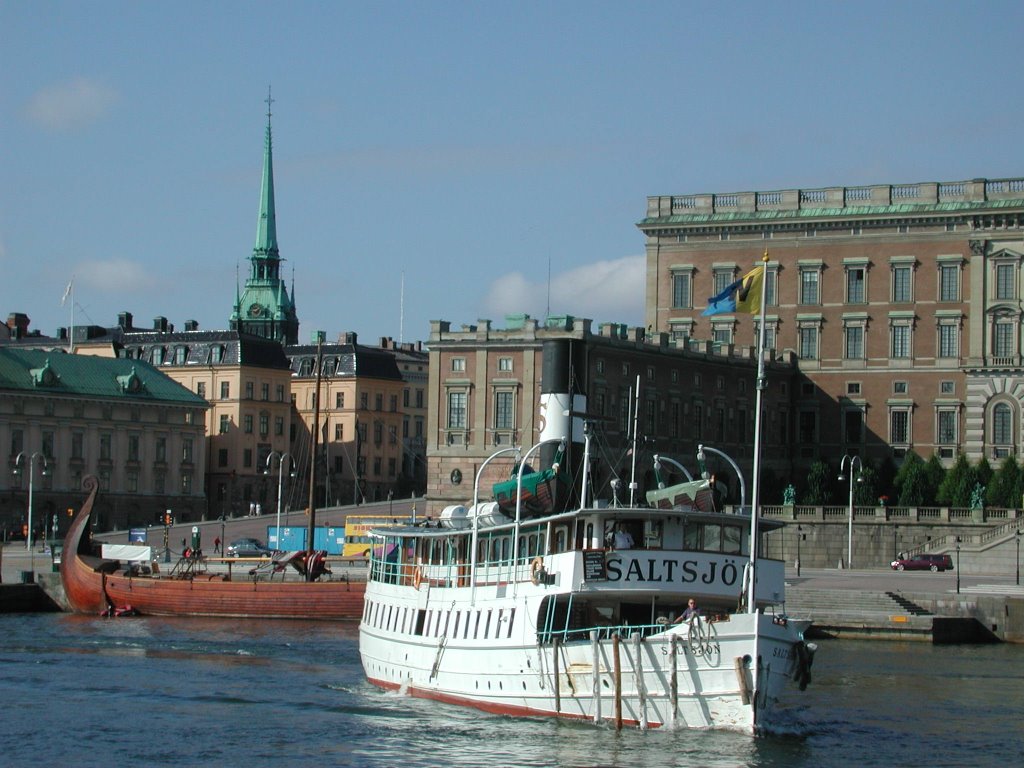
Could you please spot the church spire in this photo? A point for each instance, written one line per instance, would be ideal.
(266, 227)
(264, 307)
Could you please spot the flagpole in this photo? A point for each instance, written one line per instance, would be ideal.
(755, 500)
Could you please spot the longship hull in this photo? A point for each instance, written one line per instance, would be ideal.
(97, 586)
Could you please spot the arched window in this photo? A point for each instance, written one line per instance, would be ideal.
(1002, 425)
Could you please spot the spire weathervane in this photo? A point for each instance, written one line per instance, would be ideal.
(269, 100)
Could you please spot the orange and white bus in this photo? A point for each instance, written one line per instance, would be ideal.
(357, 531)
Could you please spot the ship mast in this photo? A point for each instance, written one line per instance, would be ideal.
(311, 525)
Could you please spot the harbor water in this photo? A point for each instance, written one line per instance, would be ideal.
(195, 692)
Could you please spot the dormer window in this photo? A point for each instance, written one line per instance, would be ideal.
(45, 376)
(130, 383)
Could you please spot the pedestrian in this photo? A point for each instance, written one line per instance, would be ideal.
(216, 546)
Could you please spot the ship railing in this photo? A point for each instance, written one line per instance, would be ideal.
(604, 632)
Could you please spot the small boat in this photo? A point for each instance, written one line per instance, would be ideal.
(584, 613)
(109, 587)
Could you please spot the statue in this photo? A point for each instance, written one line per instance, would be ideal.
(789, 495)
(978, 496)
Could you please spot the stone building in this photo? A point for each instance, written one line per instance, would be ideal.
(901, 304)
(138, 431)
(486, 390)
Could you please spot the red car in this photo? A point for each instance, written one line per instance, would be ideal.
(923, 563)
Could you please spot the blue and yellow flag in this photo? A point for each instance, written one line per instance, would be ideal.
(743, 296)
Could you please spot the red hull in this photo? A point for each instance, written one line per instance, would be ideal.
(91, 588)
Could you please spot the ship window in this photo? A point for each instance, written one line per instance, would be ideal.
(455, 629)
(476, 627)
(560, 538)
(421, 616)
(487, 624)
(712, 538)
(511, 621)
(732, 535)
(465, 632)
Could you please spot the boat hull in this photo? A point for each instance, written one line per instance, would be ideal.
(725, 675)
(97, 586)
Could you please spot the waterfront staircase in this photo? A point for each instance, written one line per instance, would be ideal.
(853, 613)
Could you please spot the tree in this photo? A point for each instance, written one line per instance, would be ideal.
(956, 487)
(819, 484)
(935, 473)
(1001, 490)
(865, 491)
(912, 485)
(911, 467)
(983, 472)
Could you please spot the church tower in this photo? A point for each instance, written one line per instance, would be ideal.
(264, 307)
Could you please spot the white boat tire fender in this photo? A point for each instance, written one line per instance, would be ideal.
(536, 570)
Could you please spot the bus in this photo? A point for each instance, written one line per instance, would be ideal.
(358, 527)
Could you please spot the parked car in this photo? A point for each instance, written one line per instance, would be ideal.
(247, 548)
(923, 563)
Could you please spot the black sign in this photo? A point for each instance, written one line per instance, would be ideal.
(593, 565)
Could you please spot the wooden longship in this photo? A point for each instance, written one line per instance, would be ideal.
(99, 586)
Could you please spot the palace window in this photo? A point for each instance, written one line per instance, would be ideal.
(855, 285)
(1006, 289)
(456, 410)
(899, 341)
(1002, 338)
(899, 426)
(809, 286)
(945, 433)
(901, 284)
(949, 340)
(854, 349)
(1002, 425)
(682, 290)
(809, 342)
(949, 282)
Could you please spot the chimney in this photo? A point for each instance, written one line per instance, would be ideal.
(124, 321)
(160, 324)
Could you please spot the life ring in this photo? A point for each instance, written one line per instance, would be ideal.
(536, 569)
(417, 577)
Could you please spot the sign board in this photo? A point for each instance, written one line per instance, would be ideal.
(127, 552)
(137, 536)
(593, 565)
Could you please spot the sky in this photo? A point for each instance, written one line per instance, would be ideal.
(453, 160)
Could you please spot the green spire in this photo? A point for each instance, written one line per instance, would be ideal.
(266, 227)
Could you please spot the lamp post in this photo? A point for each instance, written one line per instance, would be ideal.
(280, 483)
(704, 473)
(1017, 537)
(958, 565)
(895, 545)
(31, 478)
(854, 462)
(799, 535)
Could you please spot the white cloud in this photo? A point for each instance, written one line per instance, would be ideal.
(116, 276)
(76, 103)
(605, 291)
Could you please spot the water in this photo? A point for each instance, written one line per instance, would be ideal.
(171, 692)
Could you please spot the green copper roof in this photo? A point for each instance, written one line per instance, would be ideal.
(903, 209)
(60, 374)
(266, 227)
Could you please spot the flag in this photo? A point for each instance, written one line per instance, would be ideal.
(67, 292)
(744, 295)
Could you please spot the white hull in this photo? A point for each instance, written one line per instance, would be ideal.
(725, 674)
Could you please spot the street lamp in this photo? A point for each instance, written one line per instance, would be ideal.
(1017, 537)
(31, 477)
(280, 483)
(704, 472)
(958, 565)
(799, 535)
(854, 462)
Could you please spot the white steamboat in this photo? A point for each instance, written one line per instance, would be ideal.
(579, 614)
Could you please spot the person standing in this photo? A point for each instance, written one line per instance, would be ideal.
(216, 546)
